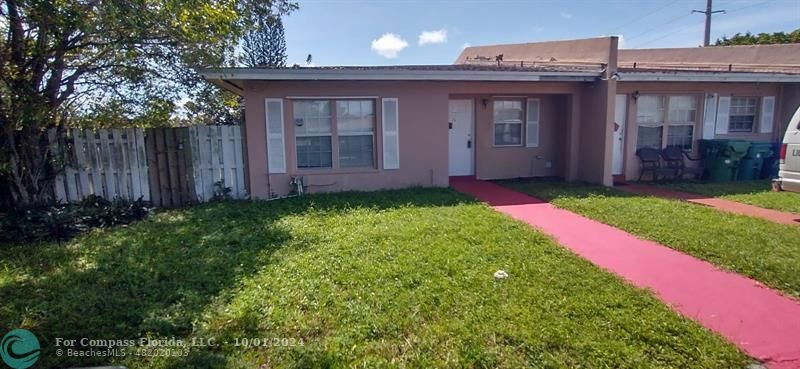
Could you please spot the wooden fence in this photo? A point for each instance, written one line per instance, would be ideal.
(168, 166)
(109, 163)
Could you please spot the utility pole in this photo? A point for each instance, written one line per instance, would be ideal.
(708, 12)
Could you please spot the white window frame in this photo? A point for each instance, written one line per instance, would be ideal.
(660, 124)
(304, 134)
(666, 119)
(670, 122)
(521, 122)
(756, 100)
(357, 133)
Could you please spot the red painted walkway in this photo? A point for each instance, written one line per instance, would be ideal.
(719, 204)
(760, 321)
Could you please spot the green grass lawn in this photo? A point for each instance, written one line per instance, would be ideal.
(386, 279)
(766, 251)
(758, 193)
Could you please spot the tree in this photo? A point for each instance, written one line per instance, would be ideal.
(760, 39)
(264, 45)
(64, 58)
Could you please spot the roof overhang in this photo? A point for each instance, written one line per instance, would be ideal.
(231, 78)
(673, 76)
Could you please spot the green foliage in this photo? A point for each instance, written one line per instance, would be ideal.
(211, 105)
(355, 280)
(107, 62)
(63, 221)
(760, 39)
(757, 193)
(763, 250)
(265, 45)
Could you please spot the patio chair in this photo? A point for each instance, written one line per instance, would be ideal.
(674, 159)
(650, 159)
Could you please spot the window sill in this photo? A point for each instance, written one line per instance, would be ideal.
(319, 171)
(507, 146)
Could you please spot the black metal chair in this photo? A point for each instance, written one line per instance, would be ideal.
(674, 159)
(650, 159)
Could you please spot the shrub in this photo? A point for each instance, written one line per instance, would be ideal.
(63, 221)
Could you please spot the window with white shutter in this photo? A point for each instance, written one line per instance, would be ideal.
(391, 130)
(276, 148)
(767, 114)
(532, 124)
(723, 111)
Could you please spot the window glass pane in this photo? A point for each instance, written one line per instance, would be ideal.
(356, 151)
(742, 114)
(508, 117)
(649, 137)
(650, 110)
(312, 117)
(682, 109)
(314, 152)
(506, 134)
(680, 136)
(508, 111)
(355, 116)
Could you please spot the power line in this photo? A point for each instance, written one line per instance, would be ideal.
(672, 20)
(638, 18)
(667, 34)
(748, 6)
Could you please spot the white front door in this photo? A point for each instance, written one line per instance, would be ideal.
(619, 134)
(462, 145)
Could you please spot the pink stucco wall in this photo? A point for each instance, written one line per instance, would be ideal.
(423, 112)
(631, 162)
(423, 137)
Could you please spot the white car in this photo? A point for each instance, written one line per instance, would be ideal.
(789, 170)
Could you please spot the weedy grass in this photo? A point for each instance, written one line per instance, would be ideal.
(383, 279)
(757, 193)
(763, 250)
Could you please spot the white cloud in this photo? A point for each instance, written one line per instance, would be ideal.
(433, 37)
(465, 45)
(389, 45)
(565, 15)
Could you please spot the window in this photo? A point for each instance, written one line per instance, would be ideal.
(742, 114)
(508, 117)
(681, 119)
(675, 114)
(355, 125)
(313, 133)
(350, 124)
(650, 119)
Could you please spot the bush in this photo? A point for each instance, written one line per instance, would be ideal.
(63, 221)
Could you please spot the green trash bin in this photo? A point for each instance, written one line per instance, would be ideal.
(721, 158)
(750, 167)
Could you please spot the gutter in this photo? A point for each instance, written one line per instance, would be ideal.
(706, 77)
(394, 75)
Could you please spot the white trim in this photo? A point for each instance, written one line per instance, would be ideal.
(392, 75)
(723, 115)
(532, 122)
(329, 97)
(706, 77)
(709, 115)
(390, 135)
(767, 118)
(275, 166)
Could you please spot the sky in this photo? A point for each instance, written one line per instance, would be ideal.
(386, 32)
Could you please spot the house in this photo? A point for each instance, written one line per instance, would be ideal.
(576, 109)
